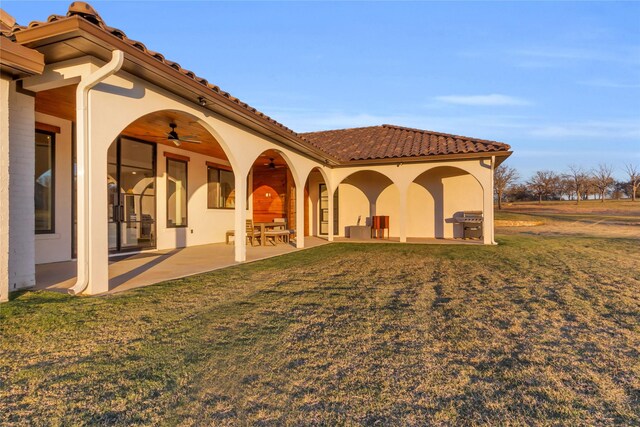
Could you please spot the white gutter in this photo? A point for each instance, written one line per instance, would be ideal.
(83, 156)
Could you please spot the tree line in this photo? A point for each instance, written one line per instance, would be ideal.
(576, 183)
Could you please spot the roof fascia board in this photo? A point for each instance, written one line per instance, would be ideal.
(20, 60)
(438, 158)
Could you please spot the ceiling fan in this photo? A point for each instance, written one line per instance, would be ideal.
(173, 136)
(272, 165)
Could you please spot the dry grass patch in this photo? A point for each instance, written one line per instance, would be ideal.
(539, 329)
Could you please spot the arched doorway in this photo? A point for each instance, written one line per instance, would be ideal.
(162, 167)
(317, 205)
(272, 191)
(365, 194)
(436, 197)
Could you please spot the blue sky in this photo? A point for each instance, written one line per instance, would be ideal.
(559, 81)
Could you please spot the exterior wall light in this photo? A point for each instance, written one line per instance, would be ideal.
(202, 101)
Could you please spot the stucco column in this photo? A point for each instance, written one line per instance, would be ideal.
(97, 225)
(240, 239)
(487, 197)
(402, 221)
(330, 193)
(300, 201)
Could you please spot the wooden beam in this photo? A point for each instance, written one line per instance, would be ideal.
(219, 166)
(47, 127)
(177, 156)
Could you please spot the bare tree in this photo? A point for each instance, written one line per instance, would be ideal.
(603, 179)
(503, 177)
(565, 187)
(543, 183)
(589, 188)
(634, 179)
(579, 181)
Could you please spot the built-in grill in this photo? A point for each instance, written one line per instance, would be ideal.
(471, 224)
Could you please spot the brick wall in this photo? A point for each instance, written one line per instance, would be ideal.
(21, 268)
(4, 188)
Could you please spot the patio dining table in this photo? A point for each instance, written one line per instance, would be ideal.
(267, 225)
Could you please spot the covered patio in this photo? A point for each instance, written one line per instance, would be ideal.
(146, 268)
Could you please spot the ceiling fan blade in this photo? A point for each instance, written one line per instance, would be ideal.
(192, 141)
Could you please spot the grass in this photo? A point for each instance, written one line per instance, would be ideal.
(611, 211)
(613, 218)
(542, 329)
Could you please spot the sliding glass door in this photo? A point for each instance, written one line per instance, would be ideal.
(131, 183)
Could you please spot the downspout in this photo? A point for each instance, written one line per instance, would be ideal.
(493, 214)
(83, 151)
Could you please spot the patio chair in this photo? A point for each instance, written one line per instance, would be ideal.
(252, 233)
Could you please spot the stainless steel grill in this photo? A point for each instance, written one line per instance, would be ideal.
(471, 224)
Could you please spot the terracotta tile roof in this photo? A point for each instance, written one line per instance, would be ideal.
(389, 141)
(369, 143)
(86, 11)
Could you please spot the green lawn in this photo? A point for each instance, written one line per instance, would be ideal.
(537, 330)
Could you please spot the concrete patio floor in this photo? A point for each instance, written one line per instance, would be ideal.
(133, 271)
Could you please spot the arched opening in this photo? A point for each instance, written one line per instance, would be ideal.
(272, 194)
(436, 197)
(365, 194)
(317, 205)
(170, 185)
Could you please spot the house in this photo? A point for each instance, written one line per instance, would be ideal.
(108, 147)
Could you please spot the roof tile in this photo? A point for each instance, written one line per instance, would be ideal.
(390, 141)
(367, 143)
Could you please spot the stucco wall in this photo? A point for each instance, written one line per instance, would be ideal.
(56, 247)
(204, 225)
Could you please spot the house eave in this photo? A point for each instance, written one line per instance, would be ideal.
(19, 61)
(75, 37)
(499, 155)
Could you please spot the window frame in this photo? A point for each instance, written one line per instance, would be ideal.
(186, 185)
(52, 229)
(219, 169)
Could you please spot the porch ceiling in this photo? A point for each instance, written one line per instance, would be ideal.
(154, 128)
(263, 160)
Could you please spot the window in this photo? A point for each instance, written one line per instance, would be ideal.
(221, 186)
(44, 182)
(176, 193)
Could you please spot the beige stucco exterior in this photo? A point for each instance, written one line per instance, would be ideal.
(420, 196)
